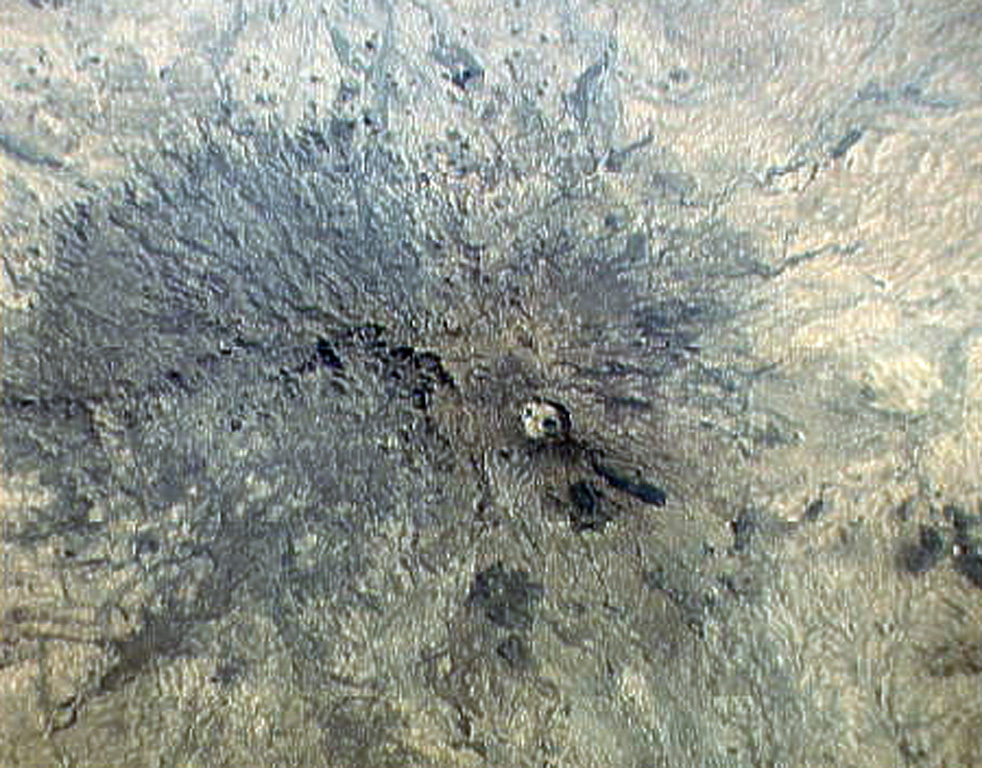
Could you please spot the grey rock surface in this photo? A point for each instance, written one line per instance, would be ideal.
(281, 281)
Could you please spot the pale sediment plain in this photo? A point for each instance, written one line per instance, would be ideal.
(543, 384)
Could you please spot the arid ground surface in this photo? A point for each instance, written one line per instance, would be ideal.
(516, 384)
